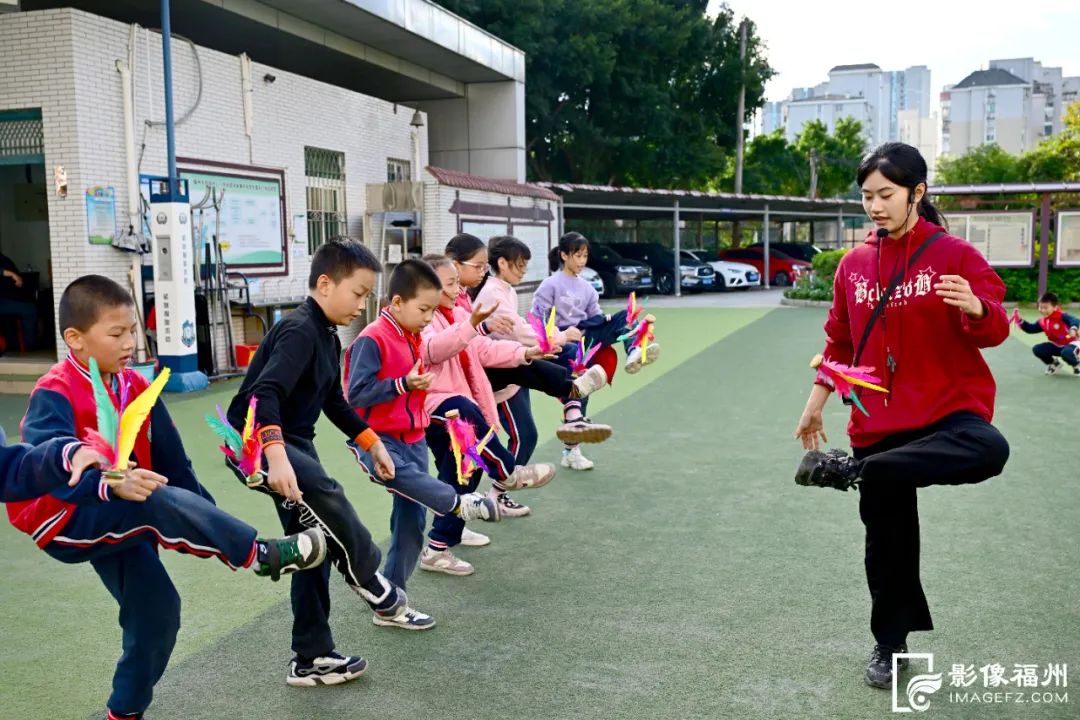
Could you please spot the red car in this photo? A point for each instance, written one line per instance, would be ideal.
(783, 269)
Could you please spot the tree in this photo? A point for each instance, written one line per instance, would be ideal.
(639, 92)
(838, 154)
(984, 164)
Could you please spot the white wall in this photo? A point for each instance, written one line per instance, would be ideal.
(63, 61)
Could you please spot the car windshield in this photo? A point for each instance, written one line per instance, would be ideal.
(605, 253)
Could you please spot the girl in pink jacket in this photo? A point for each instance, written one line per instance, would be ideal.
(509, 259)
(459, 384)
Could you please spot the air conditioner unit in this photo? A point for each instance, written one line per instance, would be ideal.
(395, 197)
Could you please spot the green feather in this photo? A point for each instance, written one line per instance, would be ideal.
(108, 420)
(227, 433)
(855, 400)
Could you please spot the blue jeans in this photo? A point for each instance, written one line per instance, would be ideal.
(604, 333)
(27, 313)
(413, 489)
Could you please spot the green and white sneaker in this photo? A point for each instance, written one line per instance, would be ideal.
(282, 556)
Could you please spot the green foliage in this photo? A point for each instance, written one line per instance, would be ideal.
(825, 263)
(811, 288)
(627, 92)
(1022, 284)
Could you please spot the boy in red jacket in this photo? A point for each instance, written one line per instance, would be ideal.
(1061, 334)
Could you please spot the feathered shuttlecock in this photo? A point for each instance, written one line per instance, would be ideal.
(633, 310)
(582, 356)
(244, 448)
(845, 378)
(640, 336)
(1015, 319)
(114, 438)
(467, 449)
(545, 333)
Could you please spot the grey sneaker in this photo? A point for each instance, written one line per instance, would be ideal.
(835, 469)
(331, 669)
(444, 562)
(530, 476)
(304, 550)
(583, 430)
(475, 506)
(508, 507)
(590, 381)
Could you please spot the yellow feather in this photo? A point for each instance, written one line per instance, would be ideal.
(550, 329)
(135, 415)
(863, 383)
(249, 424)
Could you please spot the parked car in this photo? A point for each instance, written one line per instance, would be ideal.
(618, 275)
(783, 269)
(799, 251)
(593, 278)
(729, 275)
(694, 275)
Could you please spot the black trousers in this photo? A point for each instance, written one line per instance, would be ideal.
(959, 449)
(349, 544)
(542, 375)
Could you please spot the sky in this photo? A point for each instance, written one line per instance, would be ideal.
(953, 38)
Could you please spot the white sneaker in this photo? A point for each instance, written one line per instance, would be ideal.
(1052, 368)
(574, 460)
(590, 381)
(634, 361)
(444, 561)
(474, 539)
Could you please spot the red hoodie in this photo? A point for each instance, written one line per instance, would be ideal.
(939, 369)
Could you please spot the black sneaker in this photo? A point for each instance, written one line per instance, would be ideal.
(282, 556)
(332, 669)
(879, 672)
(835, 469)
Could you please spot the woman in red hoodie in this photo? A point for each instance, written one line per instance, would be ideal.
(933, 426)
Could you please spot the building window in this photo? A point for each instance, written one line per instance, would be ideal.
(991, 136)
(326, 218)
(398, 170)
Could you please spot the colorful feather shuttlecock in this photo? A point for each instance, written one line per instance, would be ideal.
(582, 356)
(1015, 319)
(641, 335)
(633, 310)
(467, 450)
(845, 378)
(545, 333)
(115, 435)
(244, 448)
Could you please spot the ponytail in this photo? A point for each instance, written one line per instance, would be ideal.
(929, 211)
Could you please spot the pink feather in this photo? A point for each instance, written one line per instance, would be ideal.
(837, 374)
(1016, 319)
(582, 357)
(100, 445)
(542, 338)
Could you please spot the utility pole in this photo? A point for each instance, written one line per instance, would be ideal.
(813, 174)
(736, 231)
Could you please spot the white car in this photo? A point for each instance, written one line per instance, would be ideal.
(729, 275)
(593, 278)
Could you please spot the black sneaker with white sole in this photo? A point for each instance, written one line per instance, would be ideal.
(281, 556)
(879, 671)
(331, 669)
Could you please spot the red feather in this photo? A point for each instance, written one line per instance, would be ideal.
(100, 445)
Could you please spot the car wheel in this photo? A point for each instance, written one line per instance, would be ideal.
(781, 279)
(718, 284)
(608, 282)
(665, 284)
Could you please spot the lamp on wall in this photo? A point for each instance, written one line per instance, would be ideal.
(417, 120)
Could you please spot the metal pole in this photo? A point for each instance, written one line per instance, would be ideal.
(1044, 244)
(741, 110)
(170, 130)
(678, 265)
(765, 234)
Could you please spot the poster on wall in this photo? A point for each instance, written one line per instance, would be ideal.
(1005, 239)
(538, 238)
(100, 215)
(1067, 239)
(252, 206)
